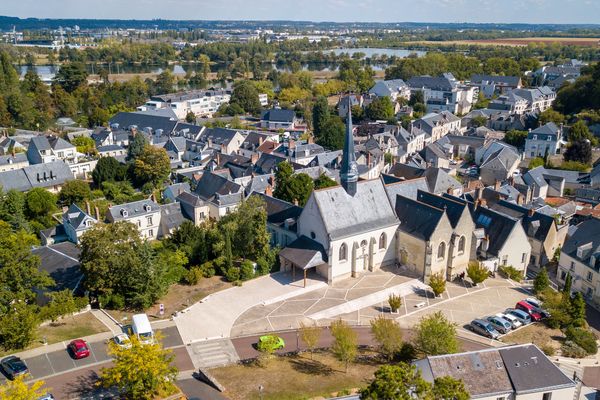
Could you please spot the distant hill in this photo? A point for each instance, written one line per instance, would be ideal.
(7, 24)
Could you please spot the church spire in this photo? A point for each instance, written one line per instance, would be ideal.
(349, 173)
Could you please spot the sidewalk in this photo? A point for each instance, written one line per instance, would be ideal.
(108, 321)
(98, 337)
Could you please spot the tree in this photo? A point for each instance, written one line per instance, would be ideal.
(568, 283)
(152, 166)
(477, 272)
(577, 307)
(320, 114)
(152, 377)
(74, 191)
(579, 151)
(437, 282)
(397, 382)
(268, 345)
(416, 98)
(323, 181)
(580, 131)
(292, 187)
(18, 326)
(516, 138)
(380, 109)
(551, 115)
(61, 303)
(332, 133)
(190, 117)
(165, 81)
(310, 335)
(388, 335)
(435, 335)
(108, 169)
(136, 147)
(18, 389)
(40, 203)
(71, 76)
(84, 144)
(246, 96)
(345, 343)
(541, 281)
(395, 302)
(448, 388)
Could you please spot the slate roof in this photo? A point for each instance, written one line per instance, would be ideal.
(344, 215)
(278, 115)
(40, 143)
(435, 119)
(218, 190)
(438, 180)
(453, 206)
(543, 132)
(497, 226)
(505, 80)
(588, 232)
(536, 226)
(435, 83)
(220, 136)
(61, 262)
(125, 120)
(18, 158)
(407, 188)
(260, 183)
(76, 216)
(278, 211)
(267, 163)
(38, 175)
(109, 147)
(305, 253)
(58, 143)
(190, 198)
(133, 209)
(171, 217)
(505, 155)
(417, 218)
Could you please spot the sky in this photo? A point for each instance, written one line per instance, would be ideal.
(504, 11)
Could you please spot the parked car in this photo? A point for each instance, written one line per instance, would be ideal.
(500, 324)
(122, 340)
(275, 341)
(529, 309)
(522, 316)
(79, 349)
(46, 397)
(13, 366)
(514, 321)
(142, 329)
(484, 328)
(537, 305)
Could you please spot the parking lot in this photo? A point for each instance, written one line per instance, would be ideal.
(60, 361)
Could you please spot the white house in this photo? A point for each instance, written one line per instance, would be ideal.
(144, 214)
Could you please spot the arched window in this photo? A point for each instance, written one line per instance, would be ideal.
(343, 252)
(442, 250)
(382, 241)
(461, 244)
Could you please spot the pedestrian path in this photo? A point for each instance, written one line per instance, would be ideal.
(212, 353)
(108, 321)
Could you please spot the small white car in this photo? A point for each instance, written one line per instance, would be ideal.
(510, 318)
(122, 340)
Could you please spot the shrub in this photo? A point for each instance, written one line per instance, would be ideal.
(81, 302)
(571, 349)
(510, 272)
(582, 338)
(477, 272)
(208, 269)
(246, 270)
(112, 301)
(232, 274)
(194, 276)
(548, 349)
(541, 281)
(437, 282)
(262, 266)
(395, 302)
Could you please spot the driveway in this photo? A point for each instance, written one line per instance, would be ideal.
(214, 316)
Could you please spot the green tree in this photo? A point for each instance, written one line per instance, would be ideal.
(165, 81)
(40, 204)
(580, 131)
(292, 187)
(388, 335)
(18, 389)
(310, 335)
(71, 76)
(74, 191)
(536, 162)
(12, 209)
(84, 144)
(397, 382)
(516, 138)
(394, 302)
(190, 117)
(345, 345)
(18, 325)
(136, 147)
(61, 303)
(108, 169)
(477, 272)
(380, 109)
(577, 307)
(246, 96)
(437, 282)
(320, 114)
(448, 388)
(579, 151)
(435, 335)
(568, 283)
(153, 376)
(541, 281)
(152, 166)
(551, 115)
(332, 133)
(323, 181)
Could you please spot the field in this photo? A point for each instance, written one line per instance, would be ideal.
(296, 377)
(590, 42)
(538, 334)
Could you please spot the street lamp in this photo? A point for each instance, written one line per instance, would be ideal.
(260, 391)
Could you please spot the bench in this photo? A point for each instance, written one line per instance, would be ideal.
(421, 304)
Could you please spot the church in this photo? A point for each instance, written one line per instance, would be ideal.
(344, 230)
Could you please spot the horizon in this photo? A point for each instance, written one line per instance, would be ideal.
(546, 12)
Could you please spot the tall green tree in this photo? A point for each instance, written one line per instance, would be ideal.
(292, 187)
(71, 76)
(345, 344)
(579, 151)
(152, 166)
(397, 382)
(388, 335)
(380, 109)
(75, 191)
(136, 147)
(246, 96)
(435, 335)
(320, 114)
(108, 169)
(541, 281)
(332, 133)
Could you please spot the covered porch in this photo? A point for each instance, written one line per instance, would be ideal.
(301, 256)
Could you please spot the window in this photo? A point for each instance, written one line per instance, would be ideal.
(150, 233)
(343, 256)
(505, 261)
(547, 396)
(534, 137)
(589, 276)
(441, 251)
(563, 275)
(523, 257)
(461, 244)
(572, 266)
(149, 219)
(382, 241)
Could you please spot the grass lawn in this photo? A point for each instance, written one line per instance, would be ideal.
(297, 377)
(538, 334)
(177, 298)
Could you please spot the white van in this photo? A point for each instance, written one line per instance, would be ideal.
(142, 329)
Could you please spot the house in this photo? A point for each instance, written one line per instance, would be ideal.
(517, 372)
(435, 155)
(220, 194)
(521, 101)
(463, 147)
(50, 176)
(227, 141)
(438, 180)
(499, 165)
(543, 141)
(282, 218)
(112, 150)
(580, 257)
(393, 88)
(277, 118)
(490, 85)
(61, 262)
(504, 241)
(552, 182)
(76, 222)
(434, 235)
(193, 208)
(9, 145)
(171, 218)
(172, 191)
(253, 142)
(437, 125)
(10, 162)
(354, 100)
(410, 142)
(543, 231)
(201, 103)
(135, 121)
(46, 149)
(443, 93)
(144, 214)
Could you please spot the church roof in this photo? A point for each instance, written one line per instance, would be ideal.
(345, 215)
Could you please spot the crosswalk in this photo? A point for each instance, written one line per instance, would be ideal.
(213, 353)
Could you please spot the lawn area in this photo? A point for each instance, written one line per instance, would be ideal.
(297, 377)
(177, 298)
(538, 334)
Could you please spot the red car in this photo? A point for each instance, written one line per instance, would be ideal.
(529, 309)
(79, 349)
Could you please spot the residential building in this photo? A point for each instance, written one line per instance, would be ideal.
(144, 214)
(490, 85)
(46, 149)
(437, 125)
(517, 372)
(438, 180)
(193, 208)
(277, 118)
(76, 222)
(499, 165)
(133, 122)
(543, 141)
(443, 93)
(282, 218)
(521, 101)
(201, 103)
(411, 142)
(552, 182)
(393, 88)
(220, 194)
(10, 162)
(50, 176)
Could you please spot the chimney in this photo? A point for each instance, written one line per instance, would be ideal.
(520, 199)
(209, 141)
(478, 193)
(369, 159)
(292, 144)
(254, 158)
(449, 191)
(531, 212)
(97, 213)
(260, 140)
(311, 139)
(218, 160)
(88, 208)
(497, 185)
(269, 191)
